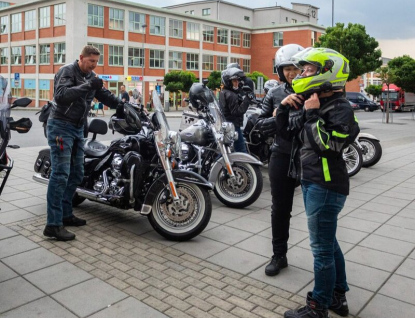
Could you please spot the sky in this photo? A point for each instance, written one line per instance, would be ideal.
(391, 23)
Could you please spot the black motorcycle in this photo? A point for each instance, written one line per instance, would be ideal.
(7, 124)
(176, 202)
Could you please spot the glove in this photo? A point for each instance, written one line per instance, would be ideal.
(120, 111)
(96, 83)
(268, 126)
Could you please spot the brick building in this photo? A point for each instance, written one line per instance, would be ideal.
(38, 37)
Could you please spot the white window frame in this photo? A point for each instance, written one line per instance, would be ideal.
(136, 21)
(43, 93)
(115, 55)
(16, 22)
(278, 39)
(192, 61)
(246, 65)
(96, 17)
(116, 19)
(176, 28)
(100, 47)
(207, 62)
(4, 57)
(59, 10)
(4, 22)
(157, 25)
(175, 60)
(29, 92)
(44, 57)
(222, 36)
(205, 12)
(235, 38)
(193, 31)
(16, 53)
(208, 33)
(221, 63)
(235, 60)
(246, 42)
(30, 20)
(59, 53)
(135, 57)
(44, 17)
(156, 59)
(30, 55)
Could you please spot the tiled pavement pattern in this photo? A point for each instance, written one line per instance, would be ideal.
(119, 267)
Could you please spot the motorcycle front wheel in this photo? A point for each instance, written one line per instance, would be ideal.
(372, 151)
(241, 191)
(183, 219)
(353, 157)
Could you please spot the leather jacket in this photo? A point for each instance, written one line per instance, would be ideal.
(73, 95)
(233, 107)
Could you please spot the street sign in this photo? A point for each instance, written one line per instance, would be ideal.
(17, 83)
(16, 76)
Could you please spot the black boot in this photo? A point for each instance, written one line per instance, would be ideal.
(58, 232)
(339, 304)
(73, 221)
(311, 310)
(276, 264)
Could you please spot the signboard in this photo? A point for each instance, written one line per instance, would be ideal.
(109, 77)
(136, 78)
(16, 76)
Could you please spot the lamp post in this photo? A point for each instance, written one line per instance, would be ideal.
(332, 13)
(142, 64)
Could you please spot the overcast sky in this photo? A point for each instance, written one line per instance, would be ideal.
(391, 23)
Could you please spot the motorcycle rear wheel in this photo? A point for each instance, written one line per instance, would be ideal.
(372, 151)
(242, 191)
(77, 200)
(353, 157)
(182, 220)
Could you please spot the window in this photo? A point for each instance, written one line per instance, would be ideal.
(208, 32)
(192, 61)
(156, 59)
(16, 88)
(221, 62)
(4, 22)
(235, 60)
(16, 22)
(176, 28)
(235, 38)
(136, 22)
(246, 65)
(60, 14)
(4, 4)
(30, 88)
(100, 47)
(175, 60)
(116, 54)
(157, 25)
(192, 12)
(222, 36)
(44, 54)
(30, 54)
(278, 39)
(313, 37)
(4, 59)
(30, 20)
(44, 89)
(205, 12)
(44, 17)
(246, 18)
(135, 57)
(192, 31)
(16, 58)
(59, 56)
(116, 19)
(207, 62)
(246, 40)
(95, 15)
(293, 20)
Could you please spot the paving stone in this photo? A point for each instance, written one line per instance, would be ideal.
(220, 302)
(385, 307)
(219, 313)
(396, 232)
(407, 268)
(217, 292)
(176, 292)
(365, 276)
(156, 304)
(258, 244)
(15, 245)
(6, 273)
(399, 287)
(387, 244)
(227, 234)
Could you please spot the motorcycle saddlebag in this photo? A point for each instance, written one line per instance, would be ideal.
(43, 163)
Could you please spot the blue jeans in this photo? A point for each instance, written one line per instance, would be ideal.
(239, 145)
(322, 207)
(67, 158)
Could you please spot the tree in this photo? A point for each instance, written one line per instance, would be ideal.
(374, 90)
(178, 81)
(403, 69)
(356, 45)
(214, 80)
(254, 77)
(387, 76)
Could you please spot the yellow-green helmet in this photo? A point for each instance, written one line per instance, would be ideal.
(332, 70)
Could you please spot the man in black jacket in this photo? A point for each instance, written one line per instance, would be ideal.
(75, 86)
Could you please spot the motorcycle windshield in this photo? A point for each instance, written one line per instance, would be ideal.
(216, 114)
(161, 116)
(4, 105)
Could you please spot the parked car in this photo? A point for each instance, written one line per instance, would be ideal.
(354, 105)
(362, 100)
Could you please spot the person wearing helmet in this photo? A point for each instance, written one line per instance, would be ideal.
(244, 79)
(268, 85)
(282, 185)
(329, 126)
(234, 107)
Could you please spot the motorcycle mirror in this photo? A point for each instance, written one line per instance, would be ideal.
(205, 81)
(21, 102)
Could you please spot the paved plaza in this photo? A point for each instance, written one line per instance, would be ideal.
(119, 267)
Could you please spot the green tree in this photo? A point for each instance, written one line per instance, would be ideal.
(355, 44)
(387, 76)
(374, 90)
(214, 80)
(179, 81)
(403, 69)
(254, 77)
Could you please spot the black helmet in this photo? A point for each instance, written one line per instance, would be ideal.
(130, 124)
(200, 96)
(231, 73)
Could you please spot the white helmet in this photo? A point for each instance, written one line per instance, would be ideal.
(283, 56)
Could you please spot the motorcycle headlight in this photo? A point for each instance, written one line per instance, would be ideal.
(228, 130)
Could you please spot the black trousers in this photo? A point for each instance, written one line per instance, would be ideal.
(282, 192)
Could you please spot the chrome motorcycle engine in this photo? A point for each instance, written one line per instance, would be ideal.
(111, 181)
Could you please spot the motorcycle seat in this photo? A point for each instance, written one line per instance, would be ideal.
(94, 148)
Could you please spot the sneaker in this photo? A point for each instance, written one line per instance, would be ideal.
(276, 264)
(58, 232)
(339, 304)
(311, 310)
(73, 221)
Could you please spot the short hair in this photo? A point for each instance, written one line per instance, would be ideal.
(130, 92)
(90, 50)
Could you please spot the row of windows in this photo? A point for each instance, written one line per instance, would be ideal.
(30, 88)
(116, 57)
(30, 19)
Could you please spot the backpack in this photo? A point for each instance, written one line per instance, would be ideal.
(45, 111)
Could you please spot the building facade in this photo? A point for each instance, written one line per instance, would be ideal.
(139, 44)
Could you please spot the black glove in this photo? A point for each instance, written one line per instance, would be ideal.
(120, 111)
(268, 127)
(96, 83)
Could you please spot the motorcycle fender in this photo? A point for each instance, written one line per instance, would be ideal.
(233, 157)
(368, 136)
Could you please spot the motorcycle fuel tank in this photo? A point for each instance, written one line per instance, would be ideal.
(196, 134)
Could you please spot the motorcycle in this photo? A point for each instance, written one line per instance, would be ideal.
(7, 124)
(371, 149)
(176, 202)
(206, 149)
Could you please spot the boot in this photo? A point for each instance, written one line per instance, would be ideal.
(277, 263)
(339, 303)
(58, 232)
(311, 310)
(73, 221)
